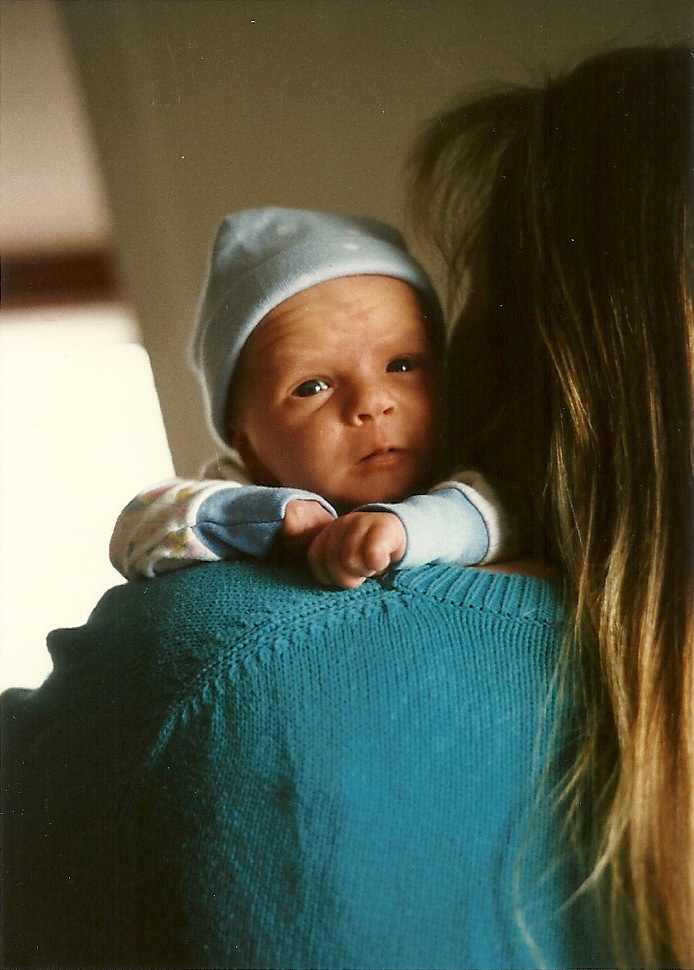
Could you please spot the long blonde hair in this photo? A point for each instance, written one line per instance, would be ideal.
(564, 210)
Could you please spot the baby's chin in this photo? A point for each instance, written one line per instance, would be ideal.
(376, 485)
(386, 496)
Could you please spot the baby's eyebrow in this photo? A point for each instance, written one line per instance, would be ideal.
(296, 355)
(303, 366)
(420, 354)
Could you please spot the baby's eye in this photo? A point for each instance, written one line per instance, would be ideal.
(401, 365)
(309, 388)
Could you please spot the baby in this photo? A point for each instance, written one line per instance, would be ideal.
(319, 346)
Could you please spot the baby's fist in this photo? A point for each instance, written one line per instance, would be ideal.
(355, 546)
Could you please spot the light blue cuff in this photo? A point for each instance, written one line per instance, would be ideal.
(246, 519)
(443, 526)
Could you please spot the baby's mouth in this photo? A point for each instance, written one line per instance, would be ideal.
(383, 456)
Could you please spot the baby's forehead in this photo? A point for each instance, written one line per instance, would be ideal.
(349, 307)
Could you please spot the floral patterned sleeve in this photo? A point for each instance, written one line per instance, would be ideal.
(156, 532)
(182, 521)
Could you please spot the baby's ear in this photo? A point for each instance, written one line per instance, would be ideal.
(257, 471)
(239, 442)
(233, 425)
(231, 436)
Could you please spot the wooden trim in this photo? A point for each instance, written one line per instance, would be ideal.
(44, 279)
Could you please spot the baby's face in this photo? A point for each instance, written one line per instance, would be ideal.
(337, 392)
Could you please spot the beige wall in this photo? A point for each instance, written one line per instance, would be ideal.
(201, 107)
(52, 197)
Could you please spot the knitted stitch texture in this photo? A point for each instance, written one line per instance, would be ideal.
(230, 767)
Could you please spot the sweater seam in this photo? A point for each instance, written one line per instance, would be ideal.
(484, 608)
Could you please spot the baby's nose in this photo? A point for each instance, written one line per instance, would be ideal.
(368, 402)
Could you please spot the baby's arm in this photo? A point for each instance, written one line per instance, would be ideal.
(462, 521)
(181, 522)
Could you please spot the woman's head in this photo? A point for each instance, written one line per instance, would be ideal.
(567, 211)
(564, 212)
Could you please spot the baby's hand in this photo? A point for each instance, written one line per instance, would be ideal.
(303, 520)
(355, 546)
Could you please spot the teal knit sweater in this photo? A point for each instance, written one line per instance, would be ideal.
(229, 767)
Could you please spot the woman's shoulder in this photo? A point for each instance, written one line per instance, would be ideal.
(194, 615)
(246, 599)
(246, 591)
(245, 632)
(256, 628)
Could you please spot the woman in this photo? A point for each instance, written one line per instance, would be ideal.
(230, 767)
(572, 204)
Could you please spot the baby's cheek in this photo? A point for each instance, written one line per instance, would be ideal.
(428, 412)
(312, 461)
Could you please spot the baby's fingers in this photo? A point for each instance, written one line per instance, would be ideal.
(303, 519)
(376, 546)
(325, 558)
(303, 516)
(357, 546)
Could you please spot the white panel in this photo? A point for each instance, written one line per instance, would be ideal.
(80, 434)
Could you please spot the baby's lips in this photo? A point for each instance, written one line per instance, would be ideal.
(384, 453)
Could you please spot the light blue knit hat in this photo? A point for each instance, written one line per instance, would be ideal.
(262, 257)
